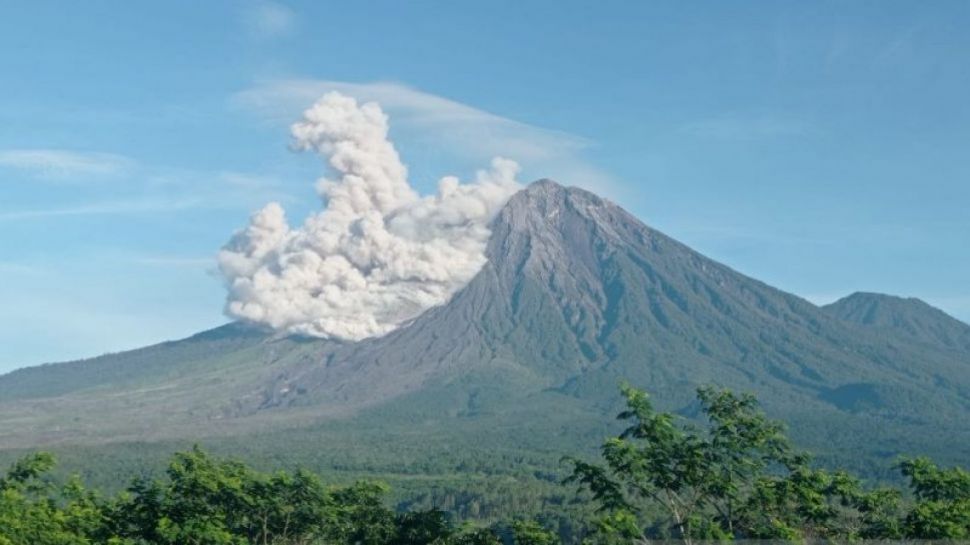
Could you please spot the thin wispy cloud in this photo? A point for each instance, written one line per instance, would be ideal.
(153, 190)
(63, 164)
(747, 127)
(175, 261)
(119, 207)
(269, 20)
(441, 123)
(15, 268)
(217, 188)
(250, 182)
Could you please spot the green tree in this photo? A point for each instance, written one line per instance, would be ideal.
(29, 512)
(423, 528)
(530, 532)
(287, 508)
(942, 507)
(214, 502)
(697, 479)
(476, 536)
(362, 518)
(808, 503)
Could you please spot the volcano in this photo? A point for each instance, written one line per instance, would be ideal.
(577, 296)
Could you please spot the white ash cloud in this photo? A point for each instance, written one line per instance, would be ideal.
(378, 254)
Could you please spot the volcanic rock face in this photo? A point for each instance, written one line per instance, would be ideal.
(577, 296)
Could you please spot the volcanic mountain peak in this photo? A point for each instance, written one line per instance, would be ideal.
(549, 231)
(545, 207)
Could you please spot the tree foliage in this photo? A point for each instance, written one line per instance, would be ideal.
(942, 508)
(209, 501)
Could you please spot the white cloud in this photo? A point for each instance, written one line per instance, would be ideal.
(378, 254)
(64, 164)
(443, 124)
(269, 19)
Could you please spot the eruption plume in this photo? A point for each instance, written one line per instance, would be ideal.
(377, 254)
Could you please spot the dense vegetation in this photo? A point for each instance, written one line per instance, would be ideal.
(737, 478)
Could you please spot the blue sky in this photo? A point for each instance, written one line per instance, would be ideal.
(819, 146)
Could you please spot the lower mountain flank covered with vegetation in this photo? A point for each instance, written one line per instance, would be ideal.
(736, 477)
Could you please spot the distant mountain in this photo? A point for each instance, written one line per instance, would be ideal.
(577, 296)
(910, 317)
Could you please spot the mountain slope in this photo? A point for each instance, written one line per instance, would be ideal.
(910, 317)
(128, 369)
(577, 296)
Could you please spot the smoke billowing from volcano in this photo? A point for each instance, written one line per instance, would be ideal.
(378, 254)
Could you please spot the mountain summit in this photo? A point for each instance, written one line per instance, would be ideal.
(910, 317)
(577, 296)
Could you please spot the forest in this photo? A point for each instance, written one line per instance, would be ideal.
(736, 477)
